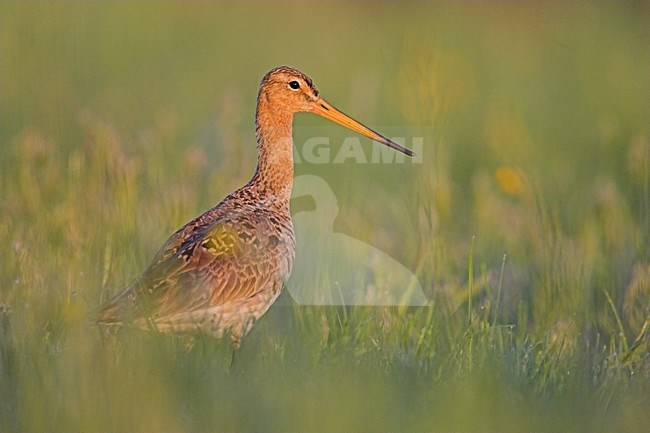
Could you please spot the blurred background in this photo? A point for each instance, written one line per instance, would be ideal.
(526, 217)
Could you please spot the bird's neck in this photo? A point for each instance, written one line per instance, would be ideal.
(273, 177)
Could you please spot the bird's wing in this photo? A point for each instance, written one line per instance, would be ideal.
(217, 263)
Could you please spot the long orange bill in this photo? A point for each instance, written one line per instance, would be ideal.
(323, 108)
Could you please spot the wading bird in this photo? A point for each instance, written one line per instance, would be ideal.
(221, 271)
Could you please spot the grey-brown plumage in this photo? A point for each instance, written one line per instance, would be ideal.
(224, 269)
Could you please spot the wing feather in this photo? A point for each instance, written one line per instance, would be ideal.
(227, 260)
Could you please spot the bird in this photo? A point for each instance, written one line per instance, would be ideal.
(220, 272)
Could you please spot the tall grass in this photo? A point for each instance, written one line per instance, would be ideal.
(527, 223)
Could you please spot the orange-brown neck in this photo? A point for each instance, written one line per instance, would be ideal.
(274, 174)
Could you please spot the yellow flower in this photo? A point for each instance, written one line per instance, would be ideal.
(511, 180)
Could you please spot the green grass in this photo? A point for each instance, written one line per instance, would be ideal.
(527, 222)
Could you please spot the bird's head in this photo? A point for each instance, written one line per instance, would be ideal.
(289, 91)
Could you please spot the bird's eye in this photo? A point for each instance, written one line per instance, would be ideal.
(294, 85)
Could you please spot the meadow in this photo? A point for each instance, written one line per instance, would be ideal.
(526, 217)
